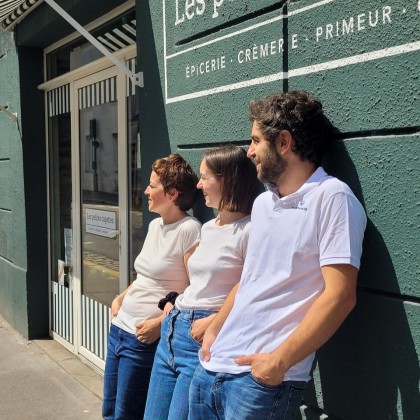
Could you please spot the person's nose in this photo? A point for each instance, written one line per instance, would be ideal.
(200, 185)
(147, 191)
(251, 151)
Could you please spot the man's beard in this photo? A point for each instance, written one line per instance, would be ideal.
(271, 167)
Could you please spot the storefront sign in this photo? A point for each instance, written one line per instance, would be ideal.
(321, 35)
(101, 222)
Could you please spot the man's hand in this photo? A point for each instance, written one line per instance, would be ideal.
(199, 327)
(148, 331)
(263, 367)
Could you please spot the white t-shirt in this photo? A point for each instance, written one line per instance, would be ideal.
(160, 269)
(216, 265)
(291, 238)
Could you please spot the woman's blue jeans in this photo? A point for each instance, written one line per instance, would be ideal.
(175, 362)
(127, 373)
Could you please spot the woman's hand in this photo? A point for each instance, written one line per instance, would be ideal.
(117, 302)
(148, 331)
(167, 309)
(199, 327)
(115, 306)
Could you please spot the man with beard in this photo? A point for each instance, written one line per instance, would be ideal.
(299, 278)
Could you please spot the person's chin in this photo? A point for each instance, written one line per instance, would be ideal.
(210, 205)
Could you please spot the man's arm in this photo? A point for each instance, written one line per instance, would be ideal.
(217, 324)
(322, 320)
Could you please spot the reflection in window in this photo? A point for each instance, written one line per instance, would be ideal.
(98, 137)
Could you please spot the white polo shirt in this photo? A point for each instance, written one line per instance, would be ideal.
(291, 238)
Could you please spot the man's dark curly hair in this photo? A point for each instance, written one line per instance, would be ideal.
(175, 172)
(299, 113)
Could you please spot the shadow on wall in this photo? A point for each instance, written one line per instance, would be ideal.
(369, 369)
(153, 120)
(152, 116)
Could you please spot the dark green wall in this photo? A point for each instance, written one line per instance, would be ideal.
(362, 59)
(23, 180)
(13, 256)
(35, 182)
(23, 210)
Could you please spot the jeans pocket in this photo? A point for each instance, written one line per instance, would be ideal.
(192, 338)
(263, 385)
(297, 391)
(298, 386)
(141, 347)
(197, 318)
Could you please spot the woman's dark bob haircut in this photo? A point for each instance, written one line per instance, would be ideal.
(175, 173)
(237, 175)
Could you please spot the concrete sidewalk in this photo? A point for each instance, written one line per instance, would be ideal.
(40, 379)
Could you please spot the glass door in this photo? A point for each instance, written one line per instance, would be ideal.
(99, 190)
(96, 227)
(100, 230)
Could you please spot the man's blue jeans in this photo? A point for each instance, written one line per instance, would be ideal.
(226, 396)
(127, 373)
(175, 362)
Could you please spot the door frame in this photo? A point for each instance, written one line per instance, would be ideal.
(99, 70)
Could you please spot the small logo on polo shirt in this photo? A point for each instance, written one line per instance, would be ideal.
(300, 206)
